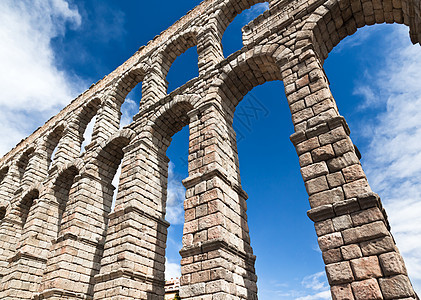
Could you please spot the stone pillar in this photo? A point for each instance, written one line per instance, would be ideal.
(28, 263)
(362, 260)
(209, 47)
(217, 259)
(68, 147)
(36, 170)
(8, 184)
(76, 253)
(13, 226)
(133, 265)
(155, 85)
(9, 226)
(108, 120)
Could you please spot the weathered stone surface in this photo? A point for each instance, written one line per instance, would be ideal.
(366, 267)
(367, 290)
(314, 170)
(378, 246)
(326, 197)
(365, 232)
(335, 179)
(316, 185)
(396, 287)
(57, 235)
(339, 273)
(351, 252)
(342, 163)
(324, 227)
(342, 222)
(356, 188)
(392, 264)
(342, 292)
(367, 216)
(330, 241)
(353, 172)
(332, 256)
(323, 153)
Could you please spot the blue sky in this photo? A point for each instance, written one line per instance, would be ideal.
(52, 50)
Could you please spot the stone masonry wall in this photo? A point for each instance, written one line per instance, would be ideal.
(59, 238)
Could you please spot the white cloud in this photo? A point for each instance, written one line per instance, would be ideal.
(351, 41)
(175, 197)
(315, 282)
(393, 157)
(128, 110)
(115, 183)
(87, 135)
(172, 270)
(318, 296)
(311, 287)
(32, 88)
(255, 11)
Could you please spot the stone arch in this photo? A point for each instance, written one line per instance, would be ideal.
(77, 126)
(128, 81)
(5, 184)
(141, 200)
(27, 202)
(61, 188)
(169, 120)
(23, 164)
(157, 85)
(337, 19)
(229, 10)
(255, 67)
(3, 210)
(3, 173)
(117, 141)
(52, 140)
(111, 152)
(175, 47)
(239, 77)
(109, 114)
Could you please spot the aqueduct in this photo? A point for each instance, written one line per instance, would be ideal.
(59, 238)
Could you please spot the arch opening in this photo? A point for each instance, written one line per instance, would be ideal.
(253, 89)
(86, 122)
(26, 204)
(62, 191)
(231, 25)
(338, 20)
(183, 69)
(131, 105)
(175, 48)
(171, 137)
(383, 115)
(113, 154)
(128, 94)
(51, 144)
(3, 173)
(23, 162)
(2, 213)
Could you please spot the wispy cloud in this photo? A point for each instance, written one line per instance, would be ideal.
(172, 270)
(311, 287)
(255, 11)
(32, 88)
(128, 110)
(393, 157)
(175, 197)
(363, 36)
